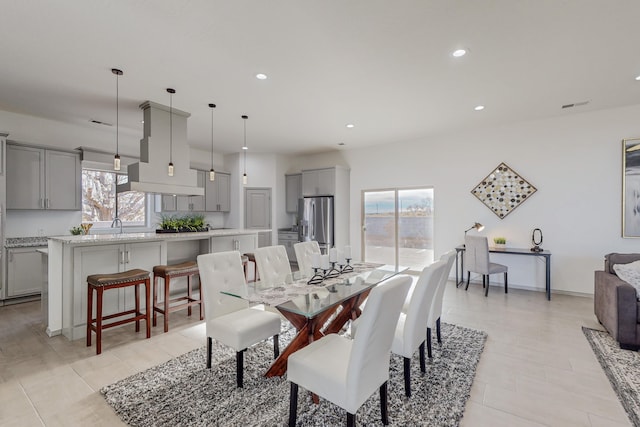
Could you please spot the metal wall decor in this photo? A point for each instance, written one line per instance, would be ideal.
(503, 190)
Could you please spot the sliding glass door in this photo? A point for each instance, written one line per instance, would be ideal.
(397, 227)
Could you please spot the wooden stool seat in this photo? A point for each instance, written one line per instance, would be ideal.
(102, 282)
(168, 272)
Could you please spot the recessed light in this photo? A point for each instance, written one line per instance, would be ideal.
(245, 148)
(341, 143)
(141, 121)
(479, 108)
(350, 125)
(637, 77)
(261, 76)
(458, 53)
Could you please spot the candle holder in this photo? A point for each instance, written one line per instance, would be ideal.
(317, 278)
(332, 273)
(347, 267)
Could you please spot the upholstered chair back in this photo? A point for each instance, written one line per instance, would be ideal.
(304, 254)
(273, 264)
(221, 271)
(436, 309)
(368, 366)
(476, 257)
(413, 325)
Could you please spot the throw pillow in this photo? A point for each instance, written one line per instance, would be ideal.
(630, 273)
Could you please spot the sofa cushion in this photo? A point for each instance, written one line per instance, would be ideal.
(630, 273)
(615, 258)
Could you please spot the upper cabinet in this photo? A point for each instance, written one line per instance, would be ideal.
(43, 179)
(319, 182)
(217, 193)
(293, 189)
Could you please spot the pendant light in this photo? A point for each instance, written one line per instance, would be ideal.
(116, 159)
(245, 148)
(170, 169)
(212, 173)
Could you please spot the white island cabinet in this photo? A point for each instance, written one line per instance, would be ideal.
(73, 258)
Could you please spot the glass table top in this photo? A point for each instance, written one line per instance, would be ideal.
(298, 297)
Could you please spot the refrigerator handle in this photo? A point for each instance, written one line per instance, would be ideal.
(312, 221)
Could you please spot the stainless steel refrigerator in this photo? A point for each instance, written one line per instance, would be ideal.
(316, 221)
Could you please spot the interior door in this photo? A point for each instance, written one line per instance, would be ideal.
(257, 212)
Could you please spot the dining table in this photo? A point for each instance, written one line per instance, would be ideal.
(316, 310)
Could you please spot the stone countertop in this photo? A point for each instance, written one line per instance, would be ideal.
(25, 242)
(92, 239)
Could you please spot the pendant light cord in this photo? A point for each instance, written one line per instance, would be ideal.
(212, 107)
(245, 143)
(117, 113)
(170, 127)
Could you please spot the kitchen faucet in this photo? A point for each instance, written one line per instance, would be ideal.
(115, 222)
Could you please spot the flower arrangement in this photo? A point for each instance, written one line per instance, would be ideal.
(181, 224)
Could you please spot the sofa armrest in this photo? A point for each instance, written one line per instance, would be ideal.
(615, 305)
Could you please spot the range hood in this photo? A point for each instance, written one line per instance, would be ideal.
(149, 175)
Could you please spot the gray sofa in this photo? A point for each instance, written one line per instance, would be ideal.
(616, 305)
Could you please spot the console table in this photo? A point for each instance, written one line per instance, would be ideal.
(513, 251)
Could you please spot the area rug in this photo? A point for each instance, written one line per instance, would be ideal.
(622, 368)
(182, 392)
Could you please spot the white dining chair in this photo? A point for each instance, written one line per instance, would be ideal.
(229, 320)
(436, 308)
(346, 372)
(411, 327)
(304, 255)
(273, 264)
(476, 260)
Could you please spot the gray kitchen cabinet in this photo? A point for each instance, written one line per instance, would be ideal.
(104, 259)
(24, 277)
(319, 182)
(172, 203)
(293, 191)
(288, 239)
(241, 242)
(217, 193)
(39, 178)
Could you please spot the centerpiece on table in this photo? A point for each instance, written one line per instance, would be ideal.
(182, 224)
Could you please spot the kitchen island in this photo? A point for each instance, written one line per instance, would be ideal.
(73, 258)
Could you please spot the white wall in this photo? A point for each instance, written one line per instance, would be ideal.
(574, 161)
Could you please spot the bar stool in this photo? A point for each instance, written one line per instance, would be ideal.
(102, 282)
(252, 258)
(168, 272)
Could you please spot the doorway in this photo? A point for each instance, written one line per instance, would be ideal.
(257, 212)
(397, 227)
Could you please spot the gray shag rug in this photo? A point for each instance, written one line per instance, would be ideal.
(182, 392)
(622, 368)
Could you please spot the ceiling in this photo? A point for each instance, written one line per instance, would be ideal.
(385, 66)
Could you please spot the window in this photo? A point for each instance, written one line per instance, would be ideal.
(99, 200)
(398, 227)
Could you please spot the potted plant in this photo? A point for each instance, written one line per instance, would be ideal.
(500, 242)
(184, 224)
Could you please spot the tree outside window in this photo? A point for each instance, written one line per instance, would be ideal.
(99, 200)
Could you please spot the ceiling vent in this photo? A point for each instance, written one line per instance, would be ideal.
(577, 104)
(98, 122)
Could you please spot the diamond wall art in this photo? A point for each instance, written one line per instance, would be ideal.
(503, 190)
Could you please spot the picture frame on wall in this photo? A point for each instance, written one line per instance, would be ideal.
(631, 188)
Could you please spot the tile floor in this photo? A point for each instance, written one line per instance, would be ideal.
(537, 368)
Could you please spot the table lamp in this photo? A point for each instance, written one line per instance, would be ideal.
(477, 226)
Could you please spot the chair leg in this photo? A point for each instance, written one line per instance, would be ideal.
(99, 320)
(209, 345)
(486, 290)
(505, 283)
(438, 331)
(137, 295)
(383, 404)
(468, 278)
(407, 377)
(276, 346)
(89, 314)
(165, 316)
(484, 282)
(239, 367)
(351, 420)
(423, 367)
(429, 343)
(189, 295)
(149, 306)
(293, 405)
(155, 299)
